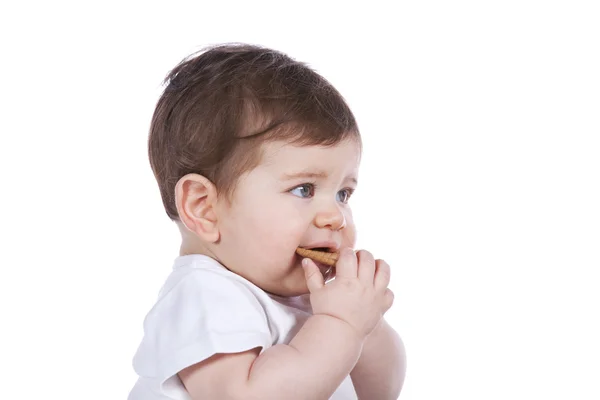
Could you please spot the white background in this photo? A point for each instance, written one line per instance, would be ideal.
(480, 182)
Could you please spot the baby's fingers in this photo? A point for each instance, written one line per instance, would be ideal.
(388, 300)
(366, 266)
(346, 266)
(382, 275)
(314, 277)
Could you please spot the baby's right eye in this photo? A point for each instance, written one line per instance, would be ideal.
(306, 190)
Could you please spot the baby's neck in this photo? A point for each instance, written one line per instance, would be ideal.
(191, 244)
(194, 248)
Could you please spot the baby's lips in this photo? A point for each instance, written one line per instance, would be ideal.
(323, 257)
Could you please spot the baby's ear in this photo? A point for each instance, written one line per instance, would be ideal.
(196, 199)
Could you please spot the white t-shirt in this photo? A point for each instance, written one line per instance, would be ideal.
(204, 309)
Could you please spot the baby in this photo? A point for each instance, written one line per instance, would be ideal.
(256, 156)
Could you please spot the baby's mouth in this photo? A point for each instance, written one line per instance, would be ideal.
(324, 258)
(322, 255)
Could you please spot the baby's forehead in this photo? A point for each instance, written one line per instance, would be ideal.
(274, 150)
(284, 156)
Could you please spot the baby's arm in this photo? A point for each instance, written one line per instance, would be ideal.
(312, 366)
(381, 368)
(322, 353)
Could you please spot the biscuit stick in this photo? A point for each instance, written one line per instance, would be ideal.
(323, 257)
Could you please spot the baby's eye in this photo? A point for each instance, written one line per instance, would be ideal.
(305, 190)
(344, 195)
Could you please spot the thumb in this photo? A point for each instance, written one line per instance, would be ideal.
(314, 278)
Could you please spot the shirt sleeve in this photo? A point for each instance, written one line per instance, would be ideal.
(204, 313)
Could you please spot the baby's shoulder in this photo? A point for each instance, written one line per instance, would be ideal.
(207, 282)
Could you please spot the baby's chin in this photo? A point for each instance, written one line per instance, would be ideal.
(289, 292)
(295, 284)
(291, 281)
(288, 289)
(291, 285)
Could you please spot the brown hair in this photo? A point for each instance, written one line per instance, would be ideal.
(219, 105)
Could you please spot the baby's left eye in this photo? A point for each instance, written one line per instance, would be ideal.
(344, 195)
(305, 190)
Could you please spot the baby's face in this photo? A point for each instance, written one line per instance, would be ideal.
(296, 197)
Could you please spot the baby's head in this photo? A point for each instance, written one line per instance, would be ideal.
(255, 154)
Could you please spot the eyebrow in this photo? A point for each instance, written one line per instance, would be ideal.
(315, 174)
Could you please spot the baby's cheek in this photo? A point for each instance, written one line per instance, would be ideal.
(285, 237)
(279, 226)
(270, 232)
(349, 233)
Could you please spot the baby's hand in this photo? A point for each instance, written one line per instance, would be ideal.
(359, 294)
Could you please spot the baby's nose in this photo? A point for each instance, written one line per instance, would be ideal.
(333, 219)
